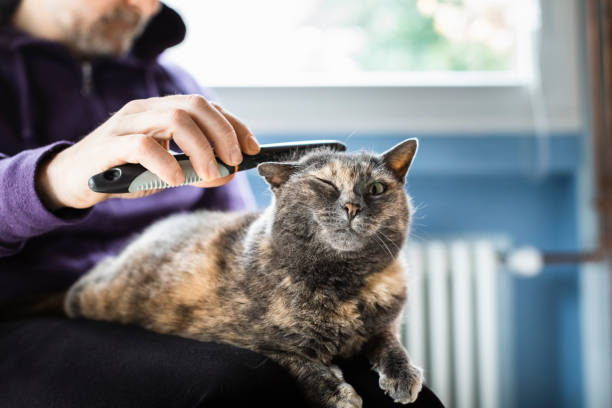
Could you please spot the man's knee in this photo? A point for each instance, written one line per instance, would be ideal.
(249, 379)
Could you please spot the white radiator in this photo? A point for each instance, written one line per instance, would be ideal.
(452, 325)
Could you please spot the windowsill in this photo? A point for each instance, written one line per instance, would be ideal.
(469, 79)
(380, 109)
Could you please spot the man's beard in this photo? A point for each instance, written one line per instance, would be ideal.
(112, 35)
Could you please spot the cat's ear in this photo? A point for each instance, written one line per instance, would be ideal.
(399, 157)
(275, 173)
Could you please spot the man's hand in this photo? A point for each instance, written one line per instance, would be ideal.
(140, 133)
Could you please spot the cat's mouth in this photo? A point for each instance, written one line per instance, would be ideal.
(343, 235)
(348, 227)
(344, 238)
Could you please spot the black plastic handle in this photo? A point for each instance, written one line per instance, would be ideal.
(121, 179)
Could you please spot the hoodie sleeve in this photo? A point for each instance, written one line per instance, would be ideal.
(235, 195)
(22, 214)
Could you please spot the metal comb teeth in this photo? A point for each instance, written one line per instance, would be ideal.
(160, 184)
(149, 181)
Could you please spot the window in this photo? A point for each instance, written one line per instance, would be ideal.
(367, 42)
(383, 66)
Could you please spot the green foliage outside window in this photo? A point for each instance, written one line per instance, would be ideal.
(396, 36)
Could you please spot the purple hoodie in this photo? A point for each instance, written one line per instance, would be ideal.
(49, 100)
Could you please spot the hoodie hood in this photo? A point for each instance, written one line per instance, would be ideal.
(165, 30)
(7, 8)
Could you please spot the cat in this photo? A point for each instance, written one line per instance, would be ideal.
(313, 277)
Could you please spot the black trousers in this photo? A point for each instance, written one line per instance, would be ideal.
(57, 362)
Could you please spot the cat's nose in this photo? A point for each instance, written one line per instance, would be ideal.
(352, 210)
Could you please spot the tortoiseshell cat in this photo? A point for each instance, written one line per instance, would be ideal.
(313, 277)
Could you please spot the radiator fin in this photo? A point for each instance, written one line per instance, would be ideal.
(450, 325)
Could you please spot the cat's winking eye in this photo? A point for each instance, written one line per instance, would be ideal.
(327, 182)
(376, 188)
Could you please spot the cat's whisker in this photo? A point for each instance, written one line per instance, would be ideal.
(417, 237)
(350, 135)
(419, 207)
(390, 240)
(385, 246)
(378, 242)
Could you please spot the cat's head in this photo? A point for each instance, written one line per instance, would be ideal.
(348, 202)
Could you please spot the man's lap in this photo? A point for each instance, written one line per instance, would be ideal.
(65, 363)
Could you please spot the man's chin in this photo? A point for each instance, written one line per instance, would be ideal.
(105, 48)
(103, 42)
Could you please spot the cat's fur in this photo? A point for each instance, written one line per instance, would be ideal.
(294, 283)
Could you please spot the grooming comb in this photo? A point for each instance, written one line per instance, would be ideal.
(130, 178)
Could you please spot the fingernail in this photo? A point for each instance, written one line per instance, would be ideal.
(213, 171)
(252, 143)
(235, 155)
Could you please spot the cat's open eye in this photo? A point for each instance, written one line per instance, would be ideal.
(329, 183)
(376, 188)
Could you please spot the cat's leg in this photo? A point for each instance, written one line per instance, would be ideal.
(323, 385)
(399, 378)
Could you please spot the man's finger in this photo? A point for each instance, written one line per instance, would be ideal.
(145, 150)
(179, 125)
(216, 182)
(189, 137)
(216, 127)
(213, 124)
(247, 141)
(138, 194)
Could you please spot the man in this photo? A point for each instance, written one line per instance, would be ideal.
(65, 67)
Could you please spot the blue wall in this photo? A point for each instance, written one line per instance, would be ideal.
(485, 184)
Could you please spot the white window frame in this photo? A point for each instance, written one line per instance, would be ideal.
(429, 103)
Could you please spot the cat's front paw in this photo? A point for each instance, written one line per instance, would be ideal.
(345, 397)
(404, 388)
